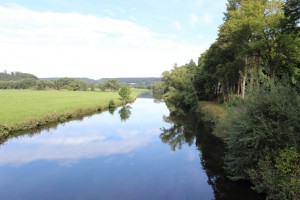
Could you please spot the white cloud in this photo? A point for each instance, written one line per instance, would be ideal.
(71, 44)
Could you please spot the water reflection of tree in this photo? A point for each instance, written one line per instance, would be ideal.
(180, 133)
(112, 110)
(37, 130)
(125, 113)
(189, 129)
(32, 132)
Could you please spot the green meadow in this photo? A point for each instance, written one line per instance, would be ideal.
(26, 109)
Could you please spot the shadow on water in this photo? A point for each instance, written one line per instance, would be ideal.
(189, 130)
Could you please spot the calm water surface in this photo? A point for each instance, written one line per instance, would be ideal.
(130, 153)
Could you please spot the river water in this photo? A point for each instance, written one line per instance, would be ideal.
(135, 152)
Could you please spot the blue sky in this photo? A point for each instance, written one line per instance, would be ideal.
(105, 38)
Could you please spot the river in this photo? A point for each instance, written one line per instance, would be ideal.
(135, 152)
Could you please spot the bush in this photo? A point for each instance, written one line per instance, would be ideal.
(112, 104)
(279, 178)
(266, 122)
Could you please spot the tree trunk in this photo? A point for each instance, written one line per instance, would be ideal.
(244, 78)
(252, 66)
(239, 86)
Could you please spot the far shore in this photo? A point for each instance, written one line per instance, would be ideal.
(29, 109)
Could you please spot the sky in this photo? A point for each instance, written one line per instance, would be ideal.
(105, 38)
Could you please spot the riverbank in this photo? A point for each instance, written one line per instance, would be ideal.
(28, 109)
(211, 113)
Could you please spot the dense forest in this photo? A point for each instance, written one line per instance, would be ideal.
(253, 68)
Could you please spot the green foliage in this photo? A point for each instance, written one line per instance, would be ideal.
(292, 14)
(112, 85)
(252, 48)
(70, 84)
(21, 81)
(92, 86)
(101, 86)
(125, 92)
(266, 122)
(14, 76)
(158, 90)
(44, 84)
(279, 177)
(112, 104)
(180, 94)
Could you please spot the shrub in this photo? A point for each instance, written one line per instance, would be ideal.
(266, 122)
(112, 104)
(280, 178)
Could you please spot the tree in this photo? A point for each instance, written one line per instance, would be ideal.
(112, 85)
(158, 90)
(101, 86)
(125, 92)
(13, 76)
(70, 84)
(180, 94)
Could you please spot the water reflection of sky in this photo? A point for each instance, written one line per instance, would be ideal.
(98, 135)
(103, 157)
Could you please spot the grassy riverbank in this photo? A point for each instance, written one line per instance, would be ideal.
(211, 113)
(27, 109)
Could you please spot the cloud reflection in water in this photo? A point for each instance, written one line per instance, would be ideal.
(99, 135)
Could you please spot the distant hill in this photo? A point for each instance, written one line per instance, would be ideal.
(86, 80)
(138, 80)
(14, 76)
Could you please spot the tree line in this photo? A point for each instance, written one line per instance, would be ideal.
(13, 76)
(34, 83)
(254, 68)
(19, 80)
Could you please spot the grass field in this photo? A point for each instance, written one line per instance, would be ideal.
(25, 109)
